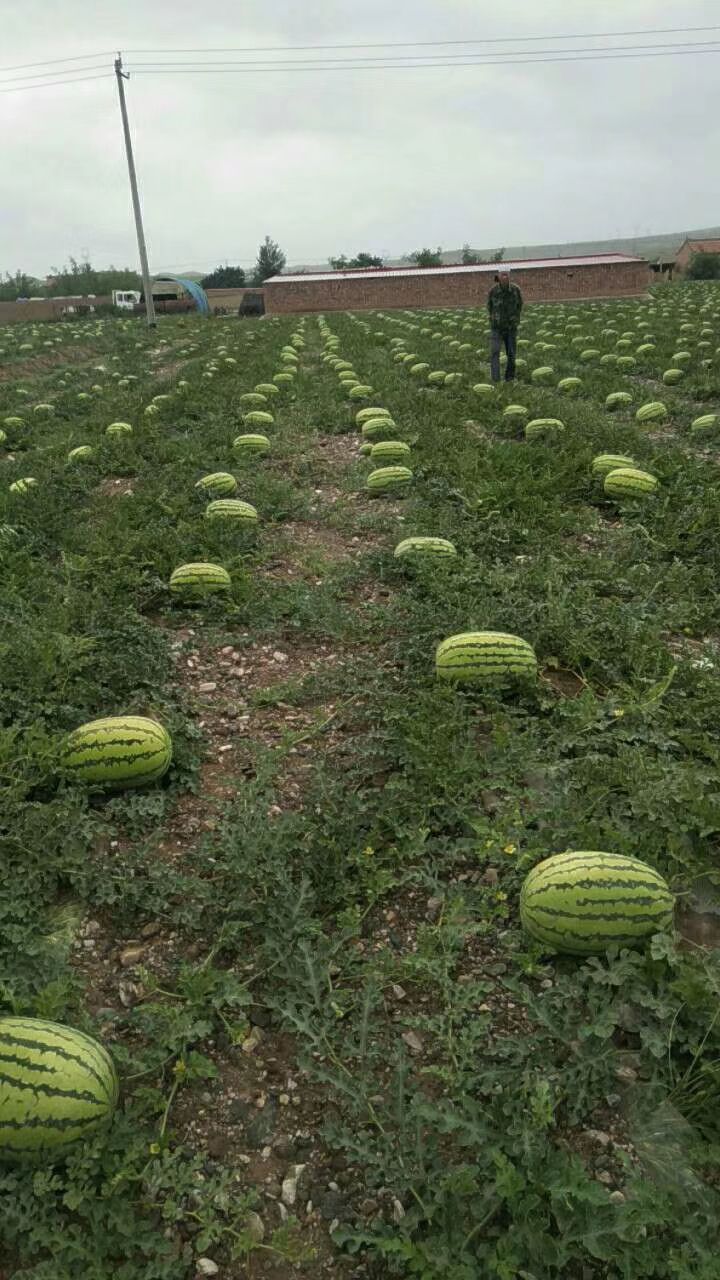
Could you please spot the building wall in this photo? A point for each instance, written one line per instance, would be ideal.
(230, 299)
(45, 309)
(687, 251)
(459, 289)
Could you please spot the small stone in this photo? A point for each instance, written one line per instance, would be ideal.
(331, 1205)
(259, 1016)
(433, 908)
(131, 956)
(284, 1099)
(368, 1208)
(616, 1197)
(490, 876)
(151, 929)
(413, 1041)
(128, 993)
(206, 1267)
(255, 1227)
(626, 1075)
(280, 657)
(605, 1178)
(398, 991)
(291, 1180)
(484, 1008)
(251, 1042)
(207, 686)
(398, 1211)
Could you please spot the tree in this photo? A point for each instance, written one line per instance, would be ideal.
(82, 278)
(224, 278)
(470, 259)
(270, 261)
(427, 257)
(497, 256)
(704, 266)
(357, 263)
(19, 285)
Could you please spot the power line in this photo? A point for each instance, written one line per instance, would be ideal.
(42, 75)
(51, 84)
(428, 59)
(417, 66)
(50, 62)
(418, 44)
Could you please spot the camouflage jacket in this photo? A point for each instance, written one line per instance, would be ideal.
(504, 306)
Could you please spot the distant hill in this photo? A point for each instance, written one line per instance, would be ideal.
(650, 247)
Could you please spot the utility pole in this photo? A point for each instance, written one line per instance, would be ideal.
(147, 284)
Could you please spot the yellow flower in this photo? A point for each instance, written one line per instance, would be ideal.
(154, 1148)
(500, 896)
(509, 848)
(368, 851)
(618, 712)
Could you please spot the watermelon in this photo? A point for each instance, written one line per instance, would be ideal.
(365, 449)
(585, 902)
(419, 370)
(543, 427)
(117, 752)
(626, 362)
(590, 353)
(81, 453)
(196, 580)
(475, 656)
(570, 385)
(421, 548)
(360, 392)
(516, 412)
(605, 462)
(253, 399)
(390, 451)
(628, 482)
(13, 422)
(267, 389)
(370, 411)
(617, 399)
(44, 410)
(24, 485)
(483, 389)
(437, 376)
(258, 418)
(251, 444)
(706, 422)
(671, 377)
(389, 479)
(57, 1087)
(218, 482)
(378, 429)
(544, 374)
(284, 378)
(653, 411)
(119, 429)
(231, 509)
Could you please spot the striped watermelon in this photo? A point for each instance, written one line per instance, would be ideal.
(218, 482)
(671, 377)
(360, 392)
(516, 412)
(199, 579)
(119, 429)
(13, 422)
(23, 485)
(617, 399)
(585, 902)
(483, 389)
(389, 479)
(252, 399)
(378, 429)
(653, 411)
(231, 509)
(570, 385)
(57, 1086)
(390, 451)
(81, 453)
(605, 462)
(370, 411)
(706, 422)
(421, 548)
(437, 376)
(540, 427)
(475, 656)
(258, 418)
(544, 373)
(284, 378)
(118, 752)
(251, 444)
(628, 482)
(267, 389)
(3, 437)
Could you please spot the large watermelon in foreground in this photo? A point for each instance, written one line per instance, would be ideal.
(199, 579)
(118, 752)
(585, 902)
(57, 1086)
(476, 656)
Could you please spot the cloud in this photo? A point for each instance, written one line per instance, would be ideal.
(333, 161)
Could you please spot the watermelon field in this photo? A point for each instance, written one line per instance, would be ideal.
(284, 989)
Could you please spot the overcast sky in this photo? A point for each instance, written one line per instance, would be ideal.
(340, 161)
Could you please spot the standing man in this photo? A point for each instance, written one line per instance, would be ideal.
(504, 308)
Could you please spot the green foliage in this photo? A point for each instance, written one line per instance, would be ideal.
(704, 266)
(224, 278)
(270, 261)
(426, 257)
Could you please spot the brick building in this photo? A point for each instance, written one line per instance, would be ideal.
(689, 248)
(610, 275)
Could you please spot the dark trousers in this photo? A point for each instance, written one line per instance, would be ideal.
(497, 338)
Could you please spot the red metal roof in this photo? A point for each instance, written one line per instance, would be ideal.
(520, 264)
